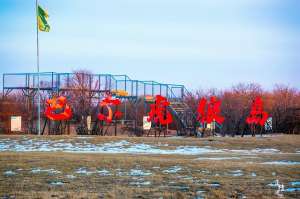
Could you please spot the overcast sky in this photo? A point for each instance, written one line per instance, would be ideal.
(192, 42)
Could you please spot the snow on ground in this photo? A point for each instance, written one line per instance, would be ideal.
(84, 146)
(200, 194)
(84, 171)
(9, 173)
(292, 189)
(273, 184)
(137, 177)
(218, 158)
(185, 177)
(49, 171)
(83, 137)
(173, 169)
(122, 146)
(139, 172)
(236, 173)
(282, 162)
(296, 183)
(257, 150)
(176, 186)
(71, 176)
(103, 172)
(213, 184)
(281, 188)
(56, 183)
(140, 183)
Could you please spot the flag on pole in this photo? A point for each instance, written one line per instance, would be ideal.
(42, 16)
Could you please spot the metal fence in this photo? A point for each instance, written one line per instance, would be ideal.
(53, 81)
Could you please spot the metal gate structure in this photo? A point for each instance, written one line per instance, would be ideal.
(95, 86)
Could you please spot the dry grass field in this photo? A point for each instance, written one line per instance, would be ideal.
(131, 167)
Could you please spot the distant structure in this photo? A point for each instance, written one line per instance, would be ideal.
(97, 86)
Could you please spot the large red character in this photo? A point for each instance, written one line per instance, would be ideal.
(257, 114)
(57, 109)
(106, 103)
(158, 111)
(209, 112)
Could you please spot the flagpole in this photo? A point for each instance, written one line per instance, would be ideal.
(38, 68)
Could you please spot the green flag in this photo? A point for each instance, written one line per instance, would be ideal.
(42, 17)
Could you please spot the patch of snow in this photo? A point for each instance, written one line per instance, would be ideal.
(280, 188)
(123, 146)
(138, 172)
(173, 169)
(218, 158)
(82, 145)
(282, 162)
(179, 187)
(253, 174)
(83, 137)
(292, 189)
(200, 194)
(57, 183)
(272, 184)
(84, 171)
(296, 183)
(185, 177)
(9, 173)
(236, 173)
(121, 173)
(160, 144)
(213, 184)
(103, 172)
(205, 171)
(49, 171)
(138, 183)
(254, 151)
(71, 176)
(258, 150)
(193, 150)
(201, 181)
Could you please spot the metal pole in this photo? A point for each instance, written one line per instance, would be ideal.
(3, 86)
(125, 111)
(38, 68)
(125, 107)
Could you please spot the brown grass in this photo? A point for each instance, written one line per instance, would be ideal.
(28, 185)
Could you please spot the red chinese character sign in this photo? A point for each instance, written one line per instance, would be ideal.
(209, 112)
(107, 102)
(257, 114)
(158, 111)
(58, 109)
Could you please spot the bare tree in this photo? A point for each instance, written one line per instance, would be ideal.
(81, 95)
(284, 99)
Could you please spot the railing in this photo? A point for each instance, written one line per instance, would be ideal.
(95, 82)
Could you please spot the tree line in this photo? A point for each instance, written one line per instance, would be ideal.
(282, 104)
